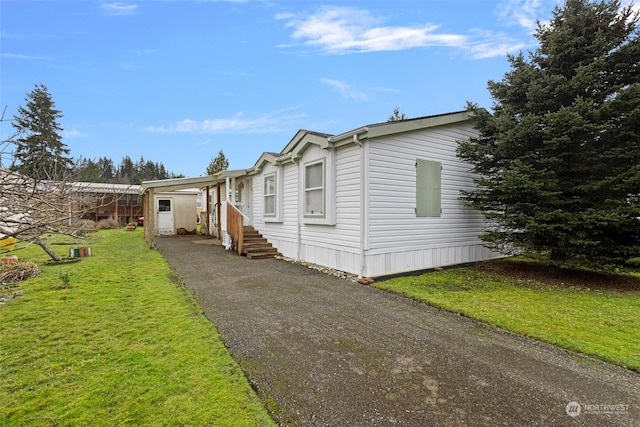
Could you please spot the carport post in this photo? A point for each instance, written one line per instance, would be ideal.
(149, 217)
(218, 207)
(208, 211)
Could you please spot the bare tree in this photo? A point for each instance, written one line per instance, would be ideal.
(31, 207)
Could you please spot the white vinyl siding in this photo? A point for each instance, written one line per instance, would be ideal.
(428, 188)
(369, 223)
(398, 240)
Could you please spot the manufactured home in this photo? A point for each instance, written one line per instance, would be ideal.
(378, 200)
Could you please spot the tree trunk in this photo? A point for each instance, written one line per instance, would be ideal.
(47, 249)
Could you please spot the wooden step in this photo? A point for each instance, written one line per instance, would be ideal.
(261, 248)
(262, 255)
(265, 246)
(255, 246)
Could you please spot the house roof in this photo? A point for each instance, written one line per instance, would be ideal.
(105, 188)
(176, 184)
(303, 138)
(180, 183)
(387, 128)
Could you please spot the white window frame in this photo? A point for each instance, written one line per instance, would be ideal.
(322, 188)
(274, 196)
(328, 216)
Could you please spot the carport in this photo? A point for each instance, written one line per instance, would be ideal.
(149, 189)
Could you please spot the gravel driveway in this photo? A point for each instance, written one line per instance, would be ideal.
(323, 351)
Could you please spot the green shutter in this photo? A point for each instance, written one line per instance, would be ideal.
(428, 188)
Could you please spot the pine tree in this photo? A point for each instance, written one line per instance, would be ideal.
(558, 161)
(126, 171)
(40, 152)
(397, 116)
(218, 163)
(86, 170)
(106, 169)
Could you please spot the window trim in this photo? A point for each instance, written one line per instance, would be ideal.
(305, 211)
(274, 195)
(328, 217)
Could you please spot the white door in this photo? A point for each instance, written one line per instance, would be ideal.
(165, 216)
(247, 200)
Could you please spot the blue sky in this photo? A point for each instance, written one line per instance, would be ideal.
(176, 81)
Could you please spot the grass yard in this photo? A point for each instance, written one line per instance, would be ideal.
(123, 344)
(593, 314)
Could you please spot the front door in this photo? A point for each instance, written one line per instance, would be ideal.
(247, 200)
(165, 216)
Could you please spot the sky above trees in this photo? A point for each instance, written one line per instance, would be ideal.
(178, 81)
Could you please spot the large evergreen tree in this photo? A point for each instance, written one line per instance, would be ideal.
(558, 161)
(40, 152)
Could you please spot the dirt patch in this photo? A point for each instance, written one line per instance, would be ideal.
(555, 276)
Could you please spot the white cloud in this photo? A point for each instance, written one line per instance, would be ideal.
(119, 9)
(73, 133)
(525, 13)
(339, 30)
(488, 44)
(21, 56)
(263, 123)
(345, 90)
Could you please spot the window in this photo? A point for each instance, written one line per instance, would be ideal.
(270, 195)
(164, 205)
(314, 189)
(428, 188)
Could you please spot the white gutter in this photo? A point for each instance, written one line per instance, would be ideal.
(349, 134)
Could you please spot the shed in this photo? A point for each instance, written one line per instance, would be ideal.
(170, 205)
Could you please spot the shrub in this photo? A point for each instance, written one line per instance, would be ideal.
(87, 224)
(110, 223)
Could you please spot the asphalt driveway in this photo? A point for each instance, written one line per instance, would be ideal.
(322, 351)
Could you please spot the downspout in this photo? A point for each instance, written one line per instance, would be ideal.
(364, 188)
(299, 225)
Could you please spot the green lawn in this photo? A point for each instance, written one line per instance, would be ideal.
(122, 345)
(603, 323)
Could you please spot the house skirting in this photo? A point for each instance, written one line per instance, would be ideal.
(385, 263)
